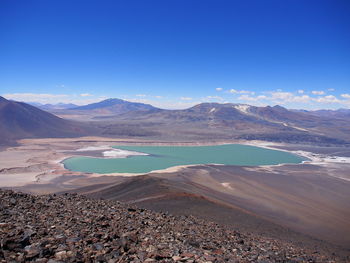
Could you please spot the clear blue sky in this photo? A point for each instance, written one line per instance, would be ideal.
(177, 53)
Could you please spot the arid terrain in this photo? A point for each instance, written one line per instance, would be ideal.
(73, 228)
(175, 131)
(308, 202)
(305, 204)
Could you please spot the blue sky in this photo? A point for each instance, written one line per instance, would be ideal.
(177, 53)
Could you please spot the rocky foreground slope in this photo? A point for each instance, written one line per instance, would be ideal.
(73, 228)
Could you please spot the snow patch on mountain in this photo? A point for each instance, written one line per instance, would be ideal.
(242, 108)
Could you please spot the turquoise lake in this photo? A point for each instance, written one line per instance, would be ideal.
(161, 157)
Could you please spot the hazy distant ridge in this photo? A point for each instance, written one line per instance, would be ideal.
(205, 121)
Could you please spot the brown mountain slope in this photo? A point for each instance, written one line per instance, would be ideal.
(303, 198)
(182, 198)
(20, 120)
(281, 204)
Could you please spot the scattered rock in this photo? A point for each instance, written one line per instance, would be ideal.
(73, 228)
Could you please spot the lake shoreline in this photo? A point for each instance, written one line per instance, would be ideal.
(39, 161)
(172, 156)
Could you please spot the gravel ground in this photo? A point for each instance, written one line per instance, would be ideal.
(73, 228)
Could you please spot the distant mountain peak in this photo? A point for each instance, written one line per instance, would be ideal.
(279, 107)
(114, 106)
(113, 99)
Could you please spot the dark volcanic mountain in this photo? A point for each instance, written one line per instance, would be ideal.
(237, 121)
(20, 120)
(114, 106)
(214, 114)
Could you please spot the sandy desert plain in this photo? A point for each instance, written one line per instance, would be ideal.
(312, 198)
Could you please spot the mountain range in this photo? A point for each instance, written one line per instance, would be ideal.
(57, 106)
(235, 121)
(205, 121)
